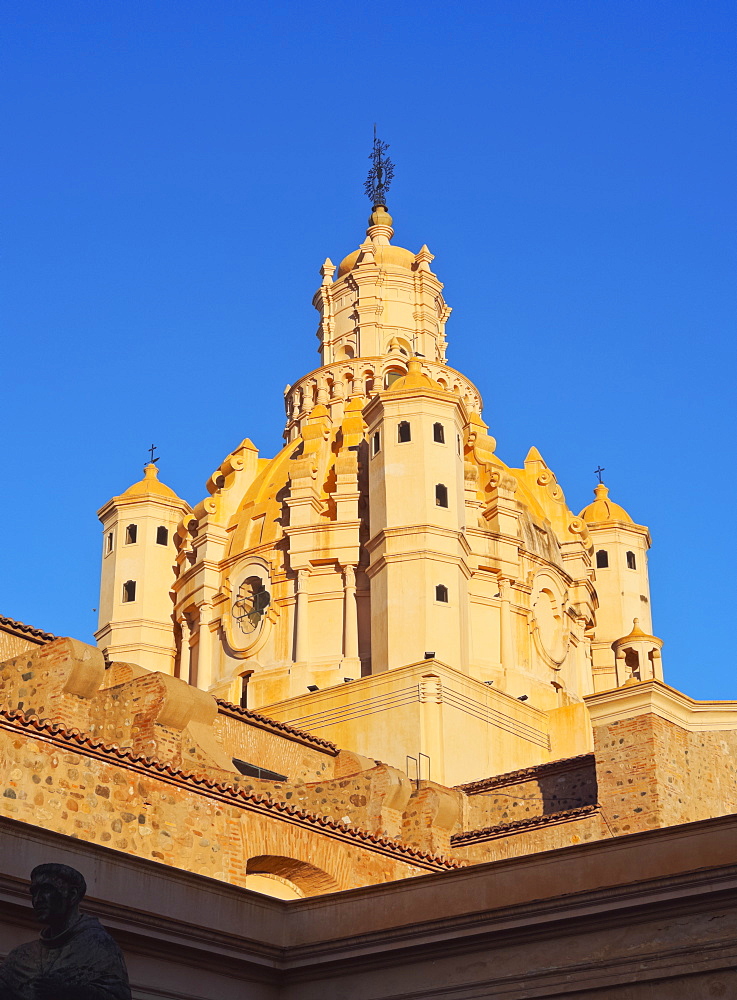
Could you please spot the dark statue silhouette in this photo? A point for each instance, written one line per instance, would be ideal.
(75, 957)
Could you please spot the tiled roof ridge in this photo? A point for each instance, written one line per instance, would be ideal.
(57, 730)
(459, 839)
(281, 727)
(22, 627)
(524, 773)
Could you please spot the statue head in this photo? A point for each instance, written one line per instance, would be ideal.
(56, 891)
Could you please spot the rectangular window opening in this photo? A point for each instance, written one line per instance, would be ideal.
(441, 495)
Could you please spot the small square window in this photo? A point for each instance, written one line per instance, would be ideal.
(376, 443)
(129, 591)
(404, 432)
(631, 561)
(441, 495)
(162, 536)
(602, 559)
(438, 433)
(109, 542)
(131, 534)
(441, 594)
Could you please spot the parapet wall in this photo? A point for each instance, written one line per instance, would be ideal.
(143, 763)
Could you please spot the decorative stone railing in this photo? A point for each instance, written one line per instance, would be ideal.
(333, 384)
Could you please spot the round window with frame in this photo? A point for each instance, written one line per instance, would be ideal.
(250, 604)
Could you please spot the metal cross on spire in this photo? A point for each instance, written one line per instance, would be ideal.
(152, 449)
(381, 173)
(598, 472)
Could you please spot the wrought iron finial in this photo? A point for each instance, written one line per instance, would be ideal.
(598, 472)
(152, 450)
(381, 173)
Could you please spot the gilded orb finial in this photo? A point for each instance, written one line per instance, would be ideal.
(381, 173)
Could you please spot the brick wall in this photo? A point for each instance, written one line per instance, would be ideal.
(652, 773)
(275, 752)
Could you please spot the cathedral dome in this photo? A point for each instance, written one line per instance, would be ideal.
(384, 254)
(380, 233)
(604, 509)
(150, 485)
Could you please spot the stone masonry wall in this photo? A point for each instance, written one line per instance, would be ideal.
(654, 773)
(191, 823)
(532, 837)
(522, 795)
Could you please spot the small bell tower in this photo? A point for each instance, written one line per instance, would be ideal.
(138, 560)
(620, 579)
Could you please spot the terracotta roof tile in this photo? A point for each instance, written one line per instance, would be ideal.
(260, 802)
(282, 728)
(519, 825)
(32, 633)
(526, 774)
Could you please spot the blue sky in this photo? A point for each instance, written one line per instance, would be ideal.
(176, 172)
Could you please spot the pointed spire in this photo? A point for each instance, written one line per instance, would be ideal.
(533, 458)
(424, 258)
(327, 271)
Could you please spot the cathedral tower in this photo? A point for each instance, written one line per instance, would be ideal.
(138, 557)
(621, 580)
(418, 553)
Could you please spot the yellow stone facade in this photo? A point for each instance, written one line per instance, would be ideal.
(386, 560)
(382, 656)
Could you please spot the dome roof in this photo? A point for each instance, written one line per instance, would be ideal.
(150, 485)
(414, 379)
(383, 254)
(637, 633)
(604, 509)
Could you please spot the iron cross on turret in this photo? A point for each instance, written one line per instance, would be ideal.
(598, 472)
(152, 449)
(381, 173)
